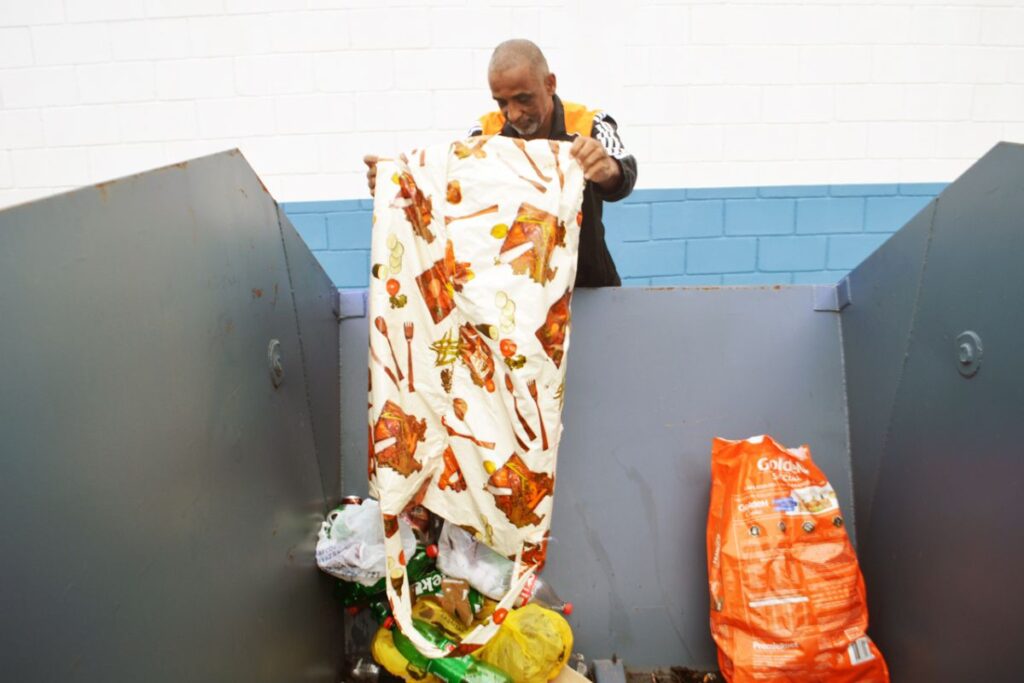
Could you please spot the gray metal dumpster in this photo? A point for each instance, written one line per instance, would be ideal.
(165, 462)
(168, 434)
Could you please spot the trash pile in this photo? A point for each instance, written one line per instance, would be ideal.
(455, 582)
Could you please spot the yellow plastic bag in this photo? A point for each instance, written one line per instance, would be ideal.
(532, 645)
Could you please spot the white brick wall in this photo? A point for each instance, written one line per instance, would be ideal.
(706, 93)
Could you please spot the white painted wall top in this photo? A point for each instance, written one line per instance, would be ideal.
(707, 94)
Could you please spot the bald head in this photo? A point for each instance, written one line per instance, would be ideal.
(523, 87)
(516, 52)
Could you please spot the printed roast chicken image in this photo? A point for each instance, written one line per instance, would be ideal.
(417, 206)
(518, 490)
(530, 241)
(395, 437)
(477, 357)
(439, 283)
(433, 284)
(552, 333)
(452, 477)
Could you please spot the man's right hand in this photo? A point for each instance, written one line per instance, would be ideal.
(371, 171)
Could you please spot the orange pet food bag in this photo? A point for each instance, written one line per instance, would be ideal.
(787, 596)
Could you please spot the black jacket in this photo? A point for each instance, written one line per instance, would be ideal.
(595, 267)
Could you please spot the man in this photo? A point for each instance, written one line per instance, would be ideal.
(524, 89)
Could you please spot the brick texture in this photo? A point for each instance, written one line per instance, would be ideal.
(681, 237)
(719, 98)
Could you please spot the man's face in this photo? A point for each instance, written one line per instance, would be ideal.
(524, 97)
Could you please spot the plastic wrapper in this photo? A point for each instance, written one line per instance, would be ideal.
(461, 556)
(788, 603)
(532, 645)
(350, 545)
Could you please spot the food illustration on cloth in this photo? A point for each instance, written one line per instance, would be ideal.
(518, 491)
(531, 239)
(477, 356)
(452, 477)
(552, 333)
(395, 437)
(417, 206)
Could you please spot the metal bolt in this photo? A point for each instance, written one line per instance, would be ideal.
(969, 353)
(966, 354)
(274, 363)
(808, 527)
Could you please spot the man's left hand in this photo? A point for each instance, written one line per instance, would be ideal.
(598, 167)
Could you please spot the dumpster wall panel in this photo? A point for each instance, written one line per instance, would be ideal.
(654, 375)
(316, 303)
(876, 332)
(160, 496)
(943, 551)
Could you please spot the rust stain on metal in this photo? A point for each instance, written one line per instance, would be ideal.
(257, 292)
(103, 188)
(706, 288)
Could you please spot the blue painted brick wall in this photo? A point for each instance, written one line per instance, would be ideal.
(800, 234)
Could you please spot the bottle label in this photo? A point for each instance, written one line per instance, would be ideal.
(527, 592)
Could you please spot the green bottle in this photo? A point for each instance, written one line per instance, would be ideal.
(352, 594)
(465, 669)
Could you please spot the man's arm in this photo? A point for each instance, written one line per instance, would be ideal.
(605, 161)
(606, 131)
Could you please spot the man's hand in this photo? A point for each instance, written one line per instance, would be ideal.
(598, 167)
(371, 171)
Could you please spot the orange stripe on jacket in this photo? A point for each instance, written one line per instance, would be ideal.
(578, 119)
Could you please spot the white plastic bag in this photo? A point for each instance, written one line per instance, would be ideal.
(350, 545)
(461, 556)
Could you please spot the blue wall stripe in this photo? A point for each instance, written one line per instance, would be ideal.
(799, 234)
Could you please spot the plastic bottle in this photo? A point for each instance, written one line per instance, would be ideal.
(464, 669)
(540, 592)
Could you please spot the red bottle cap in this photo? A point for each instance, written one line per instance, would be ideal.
(431, 551)
(567, 609)
(499, 615)
(389, 623)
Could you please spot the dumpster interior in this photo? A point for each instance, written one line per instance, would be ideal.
(185, 398)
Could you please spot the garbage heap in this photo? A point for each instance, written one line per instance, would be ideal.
(456, 581)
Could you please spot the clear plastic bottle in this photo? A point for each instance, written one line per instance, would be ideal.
(540, 592)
